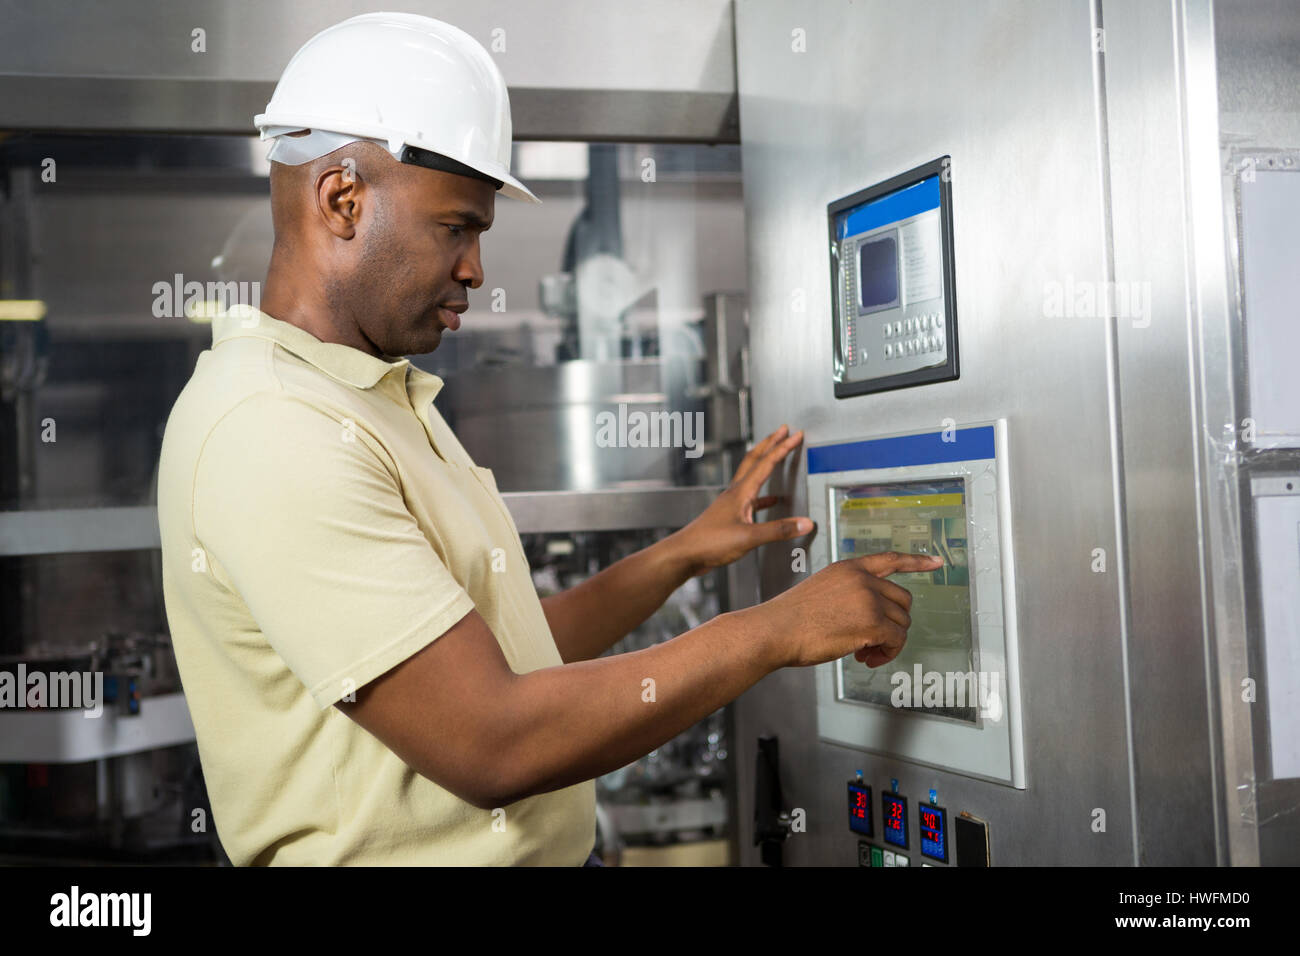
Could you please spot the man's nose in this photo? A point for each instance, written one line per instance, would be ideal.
(469, 268)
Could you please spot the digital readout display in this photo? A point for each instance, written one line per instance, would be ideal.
(934, 833)
(860, 809)
(895, 816)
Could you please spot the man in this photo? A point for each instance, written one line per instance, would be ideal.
(371, 675)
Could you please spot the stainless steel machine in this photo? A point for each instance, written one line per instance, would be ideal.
(1017, 268)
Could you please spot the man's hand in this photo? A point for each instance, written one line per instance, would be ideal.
(727, 530)
(849, 607)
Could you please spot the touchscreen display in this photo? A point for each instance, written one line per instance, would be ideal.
(922, 517)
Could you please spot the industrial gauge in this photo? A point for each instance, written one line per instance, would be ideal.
(893, 306)
(934, 832)
(860, 807)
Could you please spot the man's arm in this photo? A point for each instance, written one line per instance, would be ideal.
(458, 715)
(591, 617)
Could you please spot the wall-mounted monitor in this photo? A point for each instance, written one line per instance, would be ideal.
(892, 288)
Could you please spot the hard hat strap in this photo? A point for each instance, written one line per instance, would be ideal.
(415, 156)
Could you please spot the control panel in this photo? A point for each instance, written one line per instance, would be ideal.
(933, 843)
(951, 697)
(892, 283)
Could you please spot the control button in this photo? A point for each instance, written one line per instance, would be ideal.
(889, 351)
(887, 329)
(900, 860)
(889, 858)
(877, 856)
(898, 328)
(864, 853)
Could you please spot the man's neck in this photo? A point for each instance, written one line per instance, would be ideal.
(292, 294)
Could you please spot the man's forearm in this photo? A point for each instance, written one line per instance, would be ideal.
(589, 618)
(572, 723)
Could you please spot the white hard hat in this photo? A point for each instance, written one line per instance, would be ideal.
(423, 89)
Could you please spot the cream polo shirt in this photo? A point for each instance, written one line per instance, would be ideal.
(321, 524)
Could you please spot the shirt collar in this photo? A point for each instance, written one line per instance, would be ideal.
(348, 365)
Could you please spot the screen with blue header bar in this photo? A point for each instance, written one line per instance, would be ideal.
(929, 448)
(904, 204)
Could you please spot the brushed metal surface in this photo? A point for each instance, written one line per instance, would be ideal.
(544, 511)
(1254, 44)
(87, 530)
(78, 530)
(1007, 90)
(1079, 157)
(536, 427)
(577, 69)
(1169, 649)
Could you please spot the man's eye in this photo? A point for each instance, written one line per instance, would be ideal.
(455, 230)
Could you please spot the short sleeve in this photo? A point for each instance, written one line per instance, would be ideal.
(306, 520)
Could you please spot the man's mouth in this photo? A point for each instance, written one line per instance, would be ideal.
(450, 314)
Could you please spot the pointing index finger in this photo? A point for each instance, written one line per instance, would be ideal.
(891, 562)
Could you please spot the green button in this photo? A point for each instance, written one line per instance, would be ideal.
(877, 856)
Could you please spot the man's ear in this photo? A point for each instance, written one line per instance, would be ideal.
(339, 196)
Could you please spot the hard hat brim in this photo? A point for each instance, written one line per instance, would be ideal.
(510, 186)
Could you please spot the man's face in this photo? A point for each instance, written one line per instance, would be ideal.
(419, 256)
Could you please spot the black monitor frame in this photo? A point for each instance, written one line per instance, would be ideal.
(940, 167)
